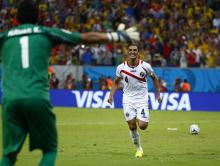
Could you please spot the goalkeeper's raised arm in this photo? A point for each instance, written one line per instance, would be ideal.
(129, 35)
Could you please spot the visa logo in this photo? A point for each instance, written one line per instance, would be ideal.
(93, 99)
(98, 99)
(172, 101)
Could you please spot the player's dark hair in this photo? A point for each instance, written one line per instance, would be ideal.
(27, 12)
(134, 44)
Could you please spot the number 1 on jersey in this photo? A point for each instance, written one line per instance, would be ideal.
(24, 42)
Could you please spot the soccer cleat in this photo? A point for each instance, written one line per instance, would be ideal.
(139, 153)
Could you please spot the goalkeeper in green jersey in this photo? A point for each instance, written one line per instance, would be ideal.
(26, 107)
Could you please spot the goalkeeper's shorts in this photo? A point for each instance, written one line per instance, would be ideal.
(28, 116)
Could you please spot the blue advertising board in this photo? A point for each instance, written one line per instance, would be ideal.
(171, 101)
(200, 79)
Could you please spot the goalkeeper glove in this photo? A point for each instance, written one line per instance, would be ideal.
(124, 35)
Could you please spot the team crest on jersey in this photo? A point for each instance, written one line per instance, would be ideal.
(142, 74)
(127, 114)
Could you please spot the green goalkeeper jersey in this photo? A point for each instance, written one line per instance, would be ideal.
(25, 52)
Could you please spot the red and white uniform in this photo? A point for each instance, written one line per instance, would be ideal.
(135, 81)
(135, 90)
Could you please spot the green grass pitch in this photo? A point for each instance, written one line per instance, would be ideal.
(100, 137)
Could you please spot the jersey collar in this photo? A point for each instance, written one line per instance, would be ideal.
(138, 62)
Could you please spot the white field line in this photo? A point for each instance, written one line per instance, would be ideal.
(87, 123)
(117, 123)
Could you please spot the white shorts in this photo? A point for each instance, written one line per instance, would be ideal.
(136, 111)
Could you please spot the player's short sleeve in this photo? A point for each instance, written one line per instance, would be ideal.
(63, 36)
(118, 71)
(148, 68)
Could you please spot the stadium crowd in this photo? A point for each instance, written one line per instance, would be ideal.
(177, 33)
(174, 33)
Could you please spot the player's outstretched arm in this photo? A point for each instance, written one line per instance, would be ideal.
(121, 35)
(114, 88)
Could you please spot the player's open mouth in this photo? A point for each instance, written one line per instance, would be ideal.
(133, 56)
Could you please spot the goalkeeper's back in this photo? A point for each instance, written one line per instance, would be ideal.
(25, 54)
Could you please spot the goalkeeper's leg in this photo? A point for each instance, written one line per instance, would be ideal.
(48, 158)
(8, 160)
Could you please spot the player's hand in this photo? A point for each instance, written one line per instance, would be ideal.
(110, 100)
(159, 99)
(129, 35)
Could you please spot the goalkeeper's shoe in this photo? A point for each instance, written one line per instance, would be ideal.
(139, 153)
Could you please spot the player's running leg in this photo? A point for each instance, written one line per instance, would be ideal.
(135, 137)
(142, 125)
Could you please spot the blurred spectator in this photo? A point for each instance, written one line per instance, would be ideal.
(157, 60)
(191, 59)
(216, 20)
(53, 57)
(198, 54)
(87, 57)
(50, 70)
(117, 55)
(173, 32)
(175, 57)
(109, 82)
(87, 82)
(69, 82)
(185, 86)
(108, 58)
(54, 81)
(166, 50)
(183, 58)
(145, 55)
(103, 85)
(96, 54)
(177, 85)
